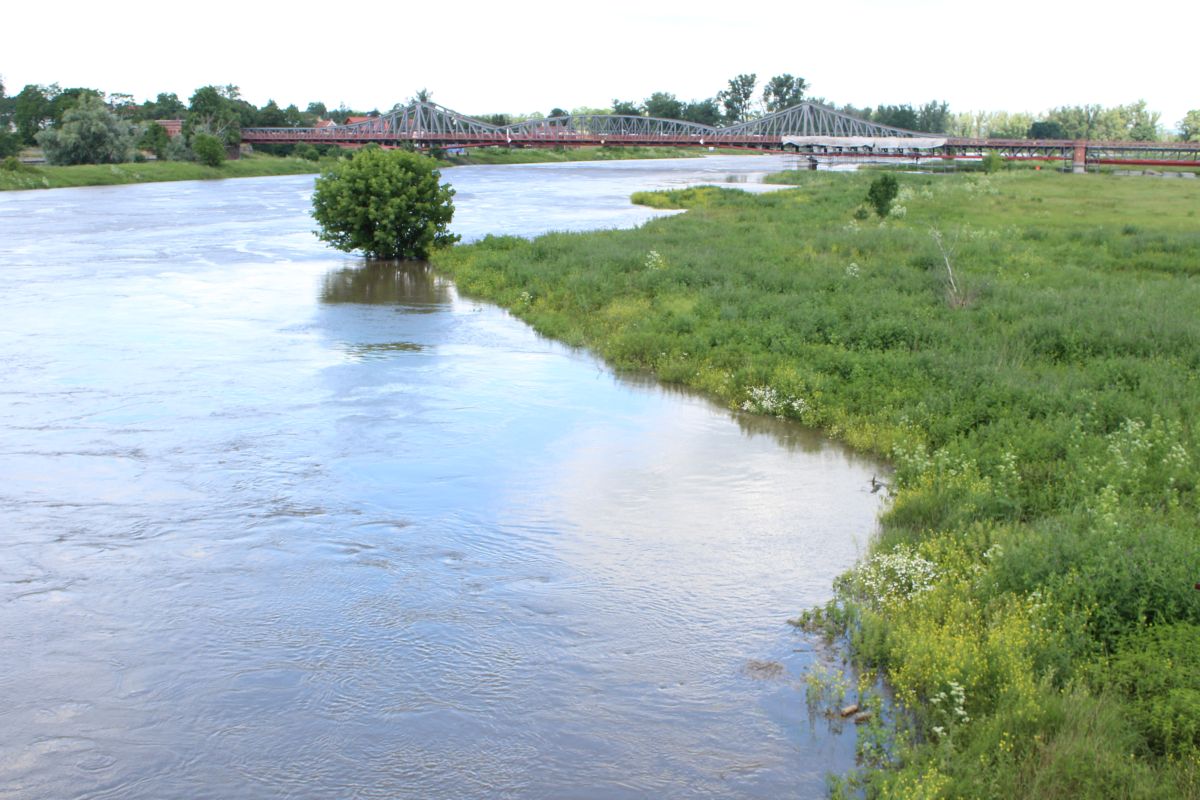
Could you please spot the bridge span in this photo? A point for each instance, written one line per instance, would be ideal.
(804, 128)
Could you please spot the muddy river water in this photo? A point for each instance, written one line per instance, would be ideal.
(274, 524)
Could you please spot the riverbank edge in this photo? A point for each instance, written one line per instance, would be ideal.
(956, 508)
(32, 177)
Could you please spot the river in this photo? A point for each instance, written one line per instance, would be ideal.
(277, 525)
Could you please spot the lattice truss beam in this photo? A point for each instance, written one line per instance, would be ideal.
(430, 121)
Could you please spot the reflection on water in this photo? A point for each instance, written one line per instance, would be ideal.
(386, 282)
(278, 524)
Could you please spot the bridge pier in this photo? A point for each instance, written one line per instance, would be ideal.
(1079, 158)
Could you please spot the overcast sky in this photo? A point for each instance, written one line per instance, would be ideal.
(478, 57)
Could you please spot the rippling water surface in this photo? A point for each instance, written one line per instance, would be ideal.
(273, 524)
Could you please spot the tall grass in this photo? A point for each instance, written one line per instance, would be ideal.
(1044, 437)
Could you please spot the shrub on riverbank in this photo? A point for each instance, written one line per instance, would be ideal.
(1044, 437)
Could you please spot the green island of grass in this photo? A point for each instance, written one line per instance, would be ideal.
(1025, 350)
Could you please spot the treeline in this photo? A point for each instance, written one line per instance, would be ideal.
(81, 125)
(84, 125)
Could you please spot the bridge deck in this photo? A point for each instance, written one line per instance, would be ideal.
(824, 131)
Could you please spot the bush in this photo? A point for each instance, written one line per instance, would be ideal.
(993, 162)
(882, 192)
(10, 144)
(307, 152)
(89, 134)
(208, 149)
(386, 203)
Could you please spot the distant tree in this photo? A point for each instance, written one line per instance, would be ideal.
(664, 105)
(783, 91)
(209, 150)
(270, 116)
(423, 96)
(499, 120)
(933, 117)
(122, 105)
(293, 117)
(317, 109)
(737, 98)
(6, 104)
(154, 138)
(1189, 126)
(66, 99)
(557, 112)
(89, 134)
(1141, 123)
(30, 112)
(1046, 129)
(404, 215)
(704, 112)
(10, 144)
(166, 106)
(211, 110)
(1133, 121)
(896, 116)
(621, 107)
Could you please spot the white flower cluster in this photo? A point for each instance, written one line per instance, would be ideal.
(894, 576)
(765, 400)
(853, 270)
(654, 260)
(952, 707)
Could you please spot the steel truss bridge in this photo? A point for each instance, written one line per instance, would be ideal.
(804, 128)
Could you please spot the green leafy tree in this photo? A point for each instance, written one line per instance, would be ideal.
(623, 108)
(783, 91)
(1189, 126)
(154, 138)
(904, 116)
(66, 99)
(1046, 129)
(557, 112)
(385, 203)
(209, 150)
(166, 106)
(89, 134)
(212, 110)
(664, 105)
(31, 111)
(933, 117)
(704, 112)
(10, 145)
(882, 193)
(317, 109)
(737, 98)
(270, 116)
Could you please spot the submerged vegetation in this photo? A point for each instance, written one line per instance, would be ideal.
(1025, 348)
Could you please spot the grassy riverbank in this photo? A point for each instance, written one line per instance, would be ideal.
(49, 177)
(1025, 348)
(28, 176)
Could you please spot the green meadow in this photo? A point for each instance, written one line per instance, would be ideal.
(1024, 349)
